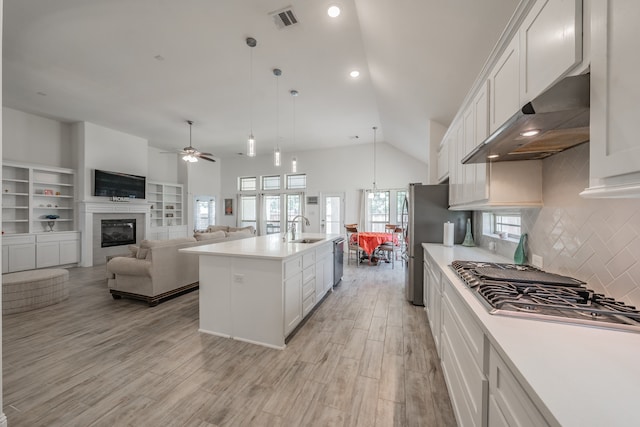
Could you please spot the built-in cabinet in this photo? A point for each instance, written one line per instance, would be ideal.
(614, 146)
(30, 194)
(166, 214)
(482, 388)
(539, 48)
(308, 278)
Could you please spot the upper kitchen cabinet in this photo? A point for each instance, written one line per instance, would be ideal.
(615, 95)
(550, 45)
(504, 80)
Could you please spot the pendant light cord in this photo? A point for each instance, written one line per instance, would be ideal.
(374, 157)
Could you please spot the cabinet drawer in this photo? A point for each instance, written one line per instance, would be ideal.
(308, 259)
(470, 332)
(292, 267)
(57, 237)
(18, 240)
(308, 273)
(308, 304)
(308, 288)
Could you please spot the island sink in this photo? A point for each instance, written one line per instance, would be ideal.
(305, 240)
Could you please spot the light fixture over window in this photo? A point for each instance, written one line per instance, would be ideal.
(294, 160)
(355, 74)
(333, 11)
(276, 151)
(251, 141)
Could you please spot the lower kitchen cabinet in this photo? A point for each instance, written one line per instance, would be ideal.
(18, 253)
(463, 350)
(292, 294)
(433, 299)
(509, 404)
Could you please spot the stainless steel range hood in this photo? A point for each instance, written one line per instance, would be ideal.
(560, 116)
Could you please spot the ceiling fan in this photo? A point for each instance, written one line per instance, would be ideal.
(190, 154)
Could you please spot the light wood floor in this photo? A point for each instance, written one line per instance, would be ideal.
(365, 357)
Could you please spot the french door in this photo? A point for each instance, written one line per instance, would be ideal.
(332, 213)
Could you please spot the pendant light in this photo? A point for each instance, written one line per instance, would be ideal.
(294, 160)
(372, 193)
(276, 151)
(251, 142)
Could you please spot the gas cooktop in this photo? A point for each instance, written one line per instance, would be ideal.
(525, 291)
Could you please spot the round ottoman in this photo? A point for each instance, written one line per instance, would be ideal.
(28, 290)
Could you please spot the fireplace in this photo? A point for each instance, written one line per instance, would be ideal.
(117, 232)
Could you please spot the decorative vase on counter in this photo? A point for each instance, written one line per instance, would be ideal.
(468, 238)
(520, 256)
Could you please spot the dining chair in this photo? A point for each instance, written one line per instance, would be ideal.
(353, 246)
(389, 247)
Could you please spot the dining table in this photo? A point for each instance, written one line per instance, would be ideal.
(370, 240)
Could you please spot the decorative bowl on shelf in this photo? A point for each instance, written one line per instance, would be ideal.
(52, 216)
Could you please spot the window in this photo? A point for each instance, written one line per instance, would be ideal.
(297, 181)
(377, 210)
(506, 225)
(248, 214)
(402, 217)
(271, 182)
(271, 203)
(248, 183)
(205, 212)
(294, 207)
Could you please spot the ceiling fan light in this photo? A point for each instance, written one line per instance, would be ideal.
(190, 158)
(251, 146)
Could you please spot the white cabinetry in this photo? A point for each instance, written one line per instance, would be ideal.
(550, 45)
(432, 295)
(57, 249)
(309, 281)
(167, 220)
(504, 82)
(443, 162)
(463, 352)
(31, 193)
(18, 253)
(509, 404)
(614, 146)
(324, 270)
(292, 294)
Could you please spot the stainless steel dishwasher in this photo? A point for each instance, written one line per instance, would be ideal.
(338, 260)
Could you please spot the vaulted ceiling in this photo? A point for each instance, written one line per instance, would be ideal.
(144, 67)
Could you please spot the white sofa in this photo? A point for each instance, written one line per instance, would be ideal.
(156, 270)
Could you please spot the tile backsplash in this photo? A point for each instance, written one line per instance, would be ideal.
(595, 240)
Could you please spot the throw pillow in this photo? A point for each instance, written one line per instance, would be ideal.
(133, 250)
(142, 253)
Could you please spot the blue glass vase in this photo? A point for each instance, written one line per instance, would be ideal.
(520, 256)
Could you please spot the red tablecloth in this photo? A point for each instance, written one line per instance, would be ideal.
(369, 241)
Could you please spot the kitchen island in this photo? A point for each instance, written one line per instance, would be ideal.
(259, 289)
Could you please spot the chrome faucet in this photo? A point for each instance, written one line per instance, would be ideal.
(292, 226)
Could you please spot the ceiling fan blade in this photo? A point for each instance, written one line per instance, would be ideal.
(205, 154)
(200, 156)
(170, 152)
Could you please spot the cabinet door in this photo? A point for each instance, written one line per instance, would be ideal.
(481, 132)
(504, 83)
(22, 257)
(509, 404)
(614, 145)
(292, 302)
(550, 44)
(467, 143)
(69, 252)
(443, 162)
(47, 254)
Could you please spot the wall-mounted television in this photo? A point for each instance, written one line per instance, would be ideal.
(117, 184)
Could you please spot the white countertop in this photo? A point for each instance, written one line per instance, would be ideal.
(584, 376)
(266, 247)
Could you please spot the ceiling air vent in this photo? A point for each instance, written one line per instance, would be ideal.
(284, 17)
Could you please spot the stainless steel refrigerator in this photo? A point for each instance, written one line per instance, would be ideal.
(426, 209)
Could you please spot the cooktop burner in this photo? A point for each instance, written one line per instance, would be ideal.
(525, 291)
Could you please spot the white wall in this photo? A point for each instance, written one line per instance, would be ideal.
(203, 179)
(345, 169)
(106, 149)
(34, 139)
(163, 167)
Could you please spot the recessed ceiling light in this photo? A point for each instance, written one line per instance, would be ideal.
(531, 132)
(354, 73)
(41, 93)
(159, 57)
(333, 11)
(493, 156)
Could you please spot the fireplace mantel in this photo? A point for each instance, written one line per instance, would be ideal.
(86, 210)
